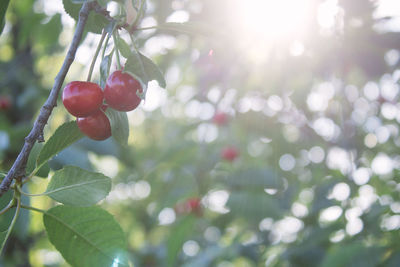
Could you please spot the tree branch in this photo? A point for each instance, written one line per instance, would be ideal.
(18, 169)
(104, 12)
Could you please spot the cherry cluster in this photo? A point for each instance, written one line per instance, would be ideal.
(87, 102)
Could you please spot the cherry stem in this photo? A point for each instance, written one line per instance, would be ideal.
(147, 28)
(138, 16)
(105, 46)
(117, 51)
(10, 205)
(139, 58)
(96, 54)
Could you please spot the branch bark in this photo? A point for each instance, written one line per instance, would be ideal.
(18, 169)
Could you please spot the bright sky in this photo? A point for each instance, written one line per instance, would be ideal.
(281, 19)
(390, 8)
(265, 21)
(268, 14)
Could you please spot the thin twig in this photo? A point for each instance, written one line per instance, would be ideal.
(138, 17)
(105, 46)
(18, 169)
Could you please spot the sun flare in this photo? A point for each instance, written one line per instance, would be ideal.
(274, 20)
(266, 26)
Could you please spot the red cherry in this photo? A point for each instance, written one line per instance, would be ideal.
(220, 118)
(194, 205)
(191, 205)
(229, 153)
(82, 99)
(121, 91)
(96, 126)
(5, 103)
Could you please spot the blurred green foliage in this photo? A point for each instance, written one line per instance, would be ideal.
(317, 179)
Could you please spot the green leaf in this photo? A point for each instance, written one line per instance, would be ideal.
(73, 155)
(209, 254)
(356, 255)
(95, 22)
(144, 68)
(253, 205)
(64, 136)
(310, 251)
(6, 218)
(393, 260)
(103, 3)
(3, 9)
(257, 179)
(5, 234)
(47, 34)
(321, 192)
(86, 236)
(23, 220)
(31, 164)
(123, 47)
(105, 69)
(3, 239)
(119, 125)
(72, 9)
(78, 187)
(178, 236)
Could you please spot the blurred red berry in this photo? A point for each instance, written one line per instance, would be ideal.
(190, 206)
(194, 206)
(220, 118)
(229, 153)
(5, 102)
